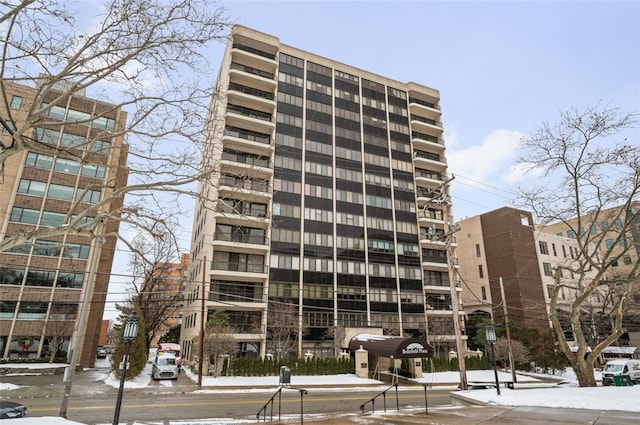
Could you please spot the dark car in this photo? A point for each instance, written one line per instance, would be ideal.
(102, 353)
(10, 409)
(477, 386)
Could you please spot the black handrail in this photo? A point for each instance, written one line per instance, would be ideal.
(270, 403)
(263, 410)
(384, 400)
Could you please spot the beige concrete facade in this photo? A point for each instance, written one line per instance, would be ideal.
(340, 174)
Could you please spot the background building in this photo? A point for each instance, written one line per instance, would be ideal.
(330, 199)
(161, 296)
(604, 226)
(502, 244)
(43, 284)
(506, 244)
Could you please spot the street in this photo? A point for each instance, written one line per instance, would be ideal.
(93, 402)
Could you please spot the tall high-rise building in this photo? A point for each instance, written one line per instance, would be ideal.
(43, 282)
(329, 200)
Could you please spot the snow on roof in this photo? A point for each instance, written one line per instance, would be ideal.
(620, 350)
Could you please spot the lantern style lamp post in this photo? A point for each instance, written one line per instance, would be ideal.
(490, 336)
(129, 335)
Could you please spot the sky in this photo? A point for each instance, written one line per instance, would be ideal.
(502, 69)
(529, 390)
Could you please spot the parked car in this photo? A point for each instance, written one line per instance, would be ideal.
(102, 353)
(11, 409)
(477, 386)
(165, 367)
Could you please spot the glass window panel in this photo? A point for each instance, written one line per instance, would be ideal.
(67, 166)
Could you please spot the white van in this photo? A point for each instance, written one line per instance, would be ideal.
(621, 367)
(165, 366)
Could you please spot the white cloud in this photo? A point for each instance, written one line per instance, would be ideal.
(520, 172)
(487, 160)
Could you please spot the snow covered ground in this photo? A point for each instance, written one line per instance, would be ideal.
(529, 390)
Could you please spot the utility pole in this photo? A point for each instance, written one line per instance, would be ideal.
(81, 322)
(202, 312)
(449, 230)
(512, 365)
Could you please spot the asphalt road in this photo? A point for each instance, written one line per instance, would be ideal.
(178, 402)
(219, 406)
(93, 402)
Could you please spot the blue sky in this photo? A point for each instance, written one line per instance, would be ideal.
(501, 67)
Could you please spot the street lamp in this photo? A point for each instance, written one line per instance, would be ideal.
(128, 336)
(490, 336)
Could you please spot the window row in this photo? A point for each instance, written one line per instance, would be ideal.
(374, 179)
(64, 165)
(72, 115)
(348, 154)
(46, 218)
(320, 169)
(350, 219)
(318, 191)
(286, 210)
(58, 191)
(318, 215)
(57, 138)
(349, 175)
(285, 235)
(349, 196)
(379, 201)
(288, 163)
(40, 278)
(54, 249)
(318, 147)
(318, 264)
(352, 243)
(280, 185)
(30, 310)
(318, 239)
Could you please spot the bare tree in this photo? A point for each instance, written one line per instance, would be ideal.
(520, 352)
(157, 280)
(283, 328)
(587, 178)
(440, 331)
(145, 57)
(59, 329)
(219, 343)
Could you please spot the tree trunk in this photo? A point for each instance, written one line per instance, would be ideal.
(584, 373)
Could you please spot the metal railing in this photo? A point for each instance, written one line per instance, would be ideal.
(268, 406)
(384, 400)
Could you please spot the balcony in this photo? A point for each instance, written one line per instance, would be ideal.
(427, 141)
(247, 243)
(254, 57)
(245, 166)
(253, 77)
(240, 271)
(244, 303)
(424, 108)
(250, 119)
(245, 95)
(429, 160)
